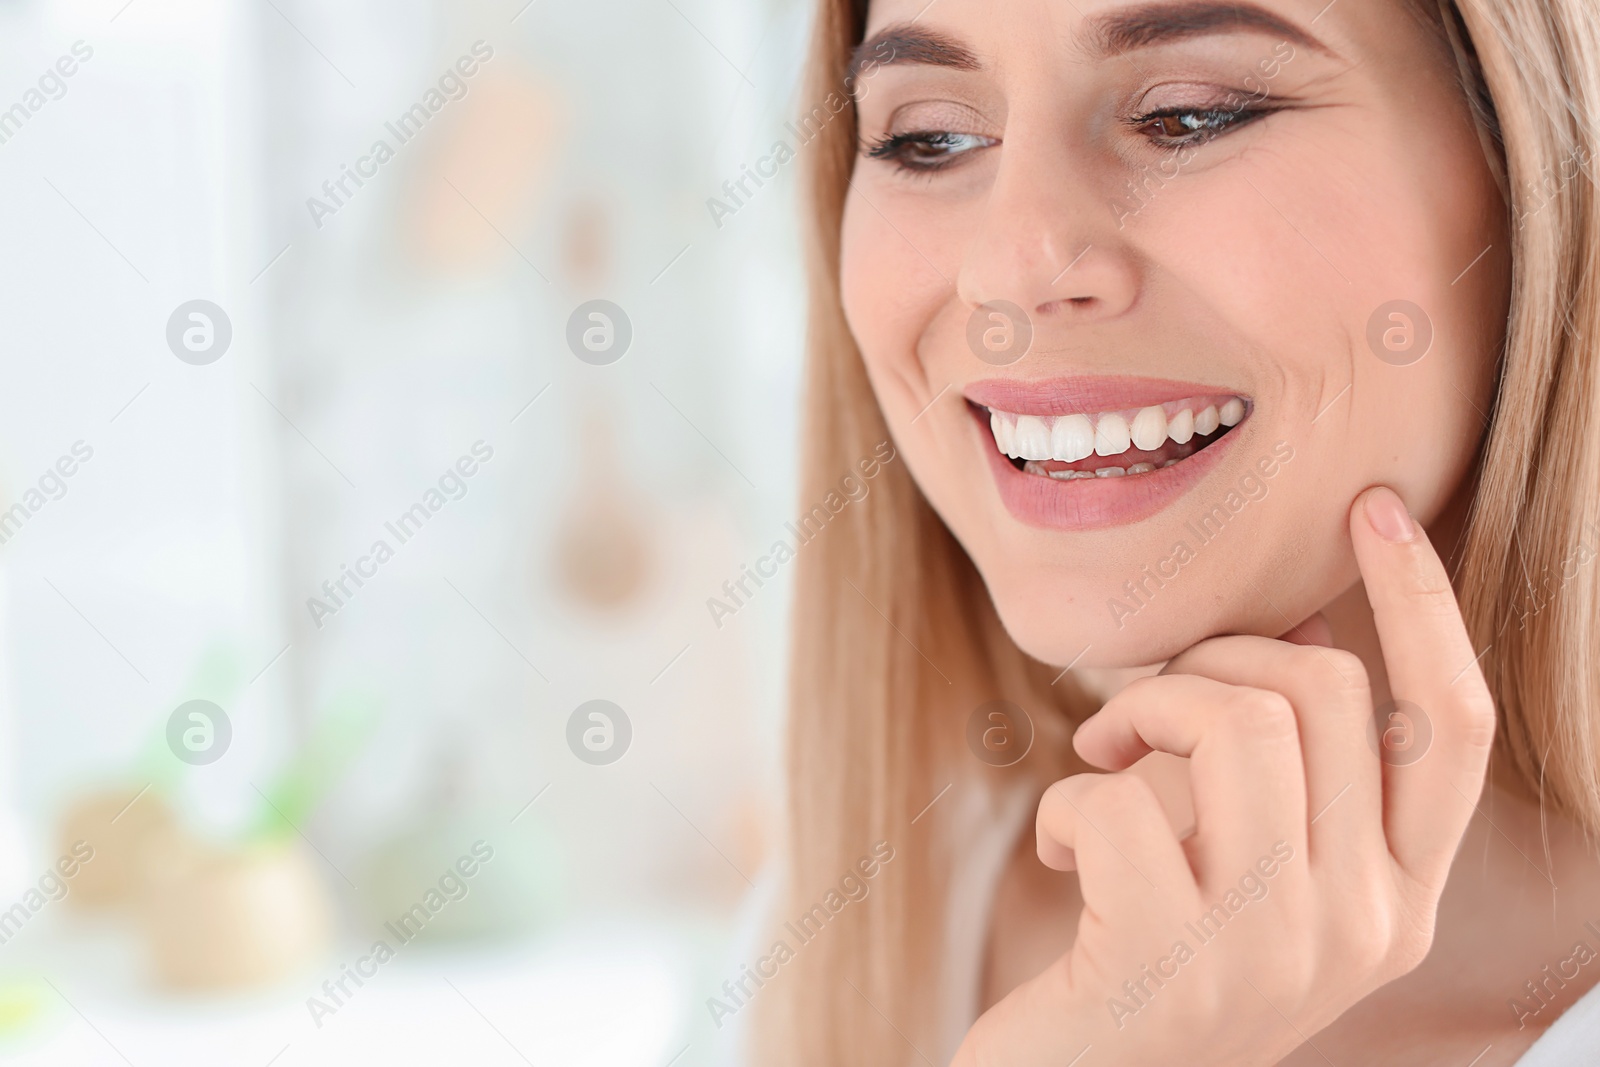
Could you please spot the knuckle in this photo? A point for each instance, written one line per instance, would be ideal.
(1351, 671)
(1121, 793)
(1368, 941)
(1407, 924)
(1118, 804)
(1139, 690)
(1290, 972)
(1410, 946)
(1262, 714)
(1480, 723)
(1056, 806)
(1200, 1009)
(1430, 589)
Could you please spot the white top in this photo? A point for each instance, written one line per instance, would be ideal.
(1573, 1040)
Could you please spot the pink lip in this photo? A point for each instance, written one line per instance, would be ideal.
(1083, 504)
(1084, 394)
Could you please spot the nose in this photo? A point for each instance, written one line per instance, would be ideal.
(1048, 243)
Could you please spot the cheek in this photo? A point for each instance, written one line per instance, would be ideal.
(1355, 277)
(894, 312)
(899, 257)
(882, 309)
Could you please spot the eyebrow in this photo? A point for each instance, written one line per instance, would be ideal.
(1113, 33)
(905, 42)
(1163, 23)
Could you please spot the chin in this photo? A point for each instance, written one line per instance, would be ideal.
(1076, 631)
(1071, 621)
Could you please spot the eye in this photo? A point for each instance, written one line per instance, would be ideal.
(1175, 127)
(927, 150)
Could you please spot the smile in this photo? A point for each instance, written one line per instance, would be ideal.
(1112, 444)
(1088, 453)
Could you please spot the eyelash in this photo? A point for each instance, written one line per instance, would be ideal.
(897, 148)
(1207, 128)
(1212, 123)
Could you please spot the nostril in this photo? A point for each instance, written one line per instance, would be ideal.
(1070, 303)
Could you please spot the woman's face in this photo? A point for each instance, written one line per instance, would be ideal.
(1148, 292)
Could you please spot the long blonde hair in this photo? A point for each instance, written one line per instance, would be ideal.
(896, 640)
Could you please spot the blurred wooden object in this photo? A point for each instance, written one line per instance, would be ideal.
(219, 917)
(120, 826)
(603, 552)
(480, 188)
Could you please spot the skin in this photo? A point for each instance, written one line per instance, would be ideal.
(1256, 270)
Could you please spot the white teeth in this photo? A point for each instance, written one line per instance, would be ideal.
(1169, 462)
(1103, 472)
(1033, 437)
(1004, 430)
(1181, 427)
(1149, 429)
(1111, 437)
(1072, 438)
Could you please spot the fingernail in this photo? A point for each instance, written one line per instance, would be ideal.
(1388, 515)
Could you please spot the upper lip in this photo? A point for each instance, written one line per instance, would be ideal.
(1084, 394)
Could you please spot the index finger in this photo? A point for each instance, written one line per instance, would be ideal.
(1433, 677)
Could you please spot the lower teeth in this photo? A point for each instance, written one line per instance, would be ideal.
(1033, 467)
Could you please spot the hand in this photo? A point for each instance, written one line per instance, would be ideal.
(1314, 873)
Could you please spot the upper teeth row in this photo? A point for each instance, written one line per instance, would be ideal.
(1069, 438)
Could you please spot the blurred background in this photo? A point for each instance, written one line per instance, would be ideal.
(382, 389)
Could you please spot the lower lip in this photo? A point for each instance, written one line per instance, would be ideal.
(1084, 504)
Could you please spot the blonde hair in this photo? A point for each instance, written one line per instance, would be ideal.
(896, 640)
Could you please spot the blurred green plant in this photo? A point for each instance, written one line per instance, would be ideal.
(342, 729)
